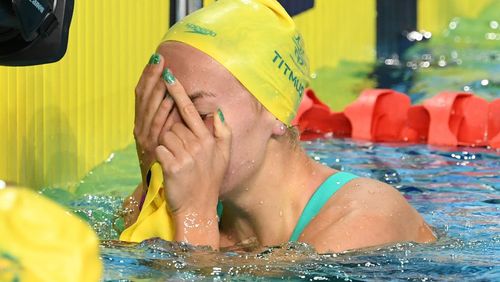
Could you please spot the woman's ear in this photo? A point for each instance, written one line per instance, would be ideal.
(279, 129)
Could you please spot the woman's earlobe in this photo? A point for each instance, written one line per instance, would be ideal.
(279, 129)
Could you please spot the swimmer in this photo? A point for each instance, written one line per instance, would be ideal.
(214, 109)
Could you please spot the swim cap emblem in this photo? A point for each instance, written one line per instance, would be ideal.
(192, 28)
(300, 58)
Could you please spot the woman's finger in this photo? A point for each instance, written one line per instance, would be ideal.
(222, 133)
(160, 118)
(165, 158)
(186, 108)
(150, 108)
(173, 144)
(150, 76)
(187, 137)
(172, 119)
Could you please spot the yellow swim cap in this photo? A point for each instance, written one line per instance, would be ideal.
(257, 41)
(40, 241)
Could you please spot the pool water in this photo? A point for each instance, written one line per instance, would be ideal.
(456, 191)
(465, 57)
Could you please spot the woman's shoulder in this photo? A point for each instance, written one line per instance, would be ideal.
(357, 195)
(364, 212)
(364, 192)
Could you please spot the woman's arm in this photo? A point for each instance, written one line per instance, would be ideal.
(132, 204)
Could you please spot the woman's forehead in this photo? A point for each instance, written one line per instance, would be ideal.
(182, 57)
(198, 72)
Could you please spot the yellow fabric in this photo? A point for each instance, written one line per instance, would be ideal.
(40, 241)
(257, 41)
(154, 219)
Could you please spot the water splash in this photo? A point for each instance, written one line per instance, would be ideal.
(460, 201)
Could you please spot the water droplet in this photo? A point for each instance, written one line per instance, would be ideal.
(110, 158)
(494, 24)
(453, 24)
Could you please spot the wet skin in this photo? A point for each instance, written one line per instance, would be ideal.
(250, 163)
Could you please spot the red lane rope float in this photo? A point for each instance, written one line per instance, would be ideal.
(315, 119)
(494, 124)
(457, 119)
(416, 127)
(385, 115)
(378, 115)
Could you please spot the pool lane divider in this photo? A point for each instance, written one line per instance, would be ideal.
(385, 115)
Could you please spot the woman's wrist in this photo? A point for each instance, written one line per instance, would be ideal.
(197, 228)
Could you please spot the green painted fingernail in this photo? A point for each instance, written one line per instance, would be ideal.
(221, 115)
(168, 76)
(155, 59)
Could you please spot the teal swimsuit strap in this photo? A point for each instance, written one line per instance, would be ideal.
(319, 199)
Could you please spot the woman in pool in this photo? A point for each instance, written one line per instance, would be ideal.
(234, 73)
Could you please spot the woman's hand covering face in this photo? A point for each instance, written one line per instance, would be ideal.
(194, 160)
(194, 155)
(152, 108)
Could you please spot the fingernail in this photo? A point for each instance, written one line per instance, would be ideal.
(221, 115)
(168, 76)
(155, 59)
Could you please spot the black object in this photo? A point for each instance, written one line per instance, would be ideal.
(34, 32)
(396, 20)
(294, 7)
(173, 12)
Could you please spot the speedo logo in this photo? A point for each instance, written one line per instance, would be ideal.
(280, 62)
(192, 28)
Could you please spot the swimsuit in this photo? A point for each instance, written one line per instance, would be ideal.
(155, 221)
(319, 199)
(324, 192)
